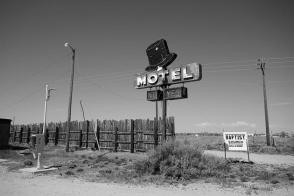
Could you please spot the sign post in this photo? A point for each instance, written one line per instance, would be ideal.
(225, 150)
(40, 143)
(164, 102)
(247, 150)
(236, 141)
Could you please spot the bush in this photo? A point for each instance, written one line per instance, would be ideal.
(80, 170)
(69, 173)
(268, 150)
(290, 176)
(28, 163)
(177, 160)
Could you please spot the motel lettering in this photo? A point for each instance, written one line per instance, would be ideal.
(187, 73)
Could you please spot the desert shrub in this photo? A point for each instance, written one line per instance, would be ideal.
(177, 160)
(80, 170)
(244, 179)
(268, 150)
(290, 176)
(72, 166)
(187, 142)
(142, 167)
(102, 159)
(28, 163)
(275, 181)
(209, 147)
(69, 173)
(105, 171)
(263, 175)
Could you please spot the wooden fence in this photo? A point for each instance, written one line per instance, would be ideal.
(123, 135)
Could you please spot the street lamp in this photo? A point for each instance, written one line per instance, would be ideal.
(67, 45)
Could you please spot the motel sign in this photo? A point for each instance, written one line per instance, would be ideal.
(157, 75)
(182, 74)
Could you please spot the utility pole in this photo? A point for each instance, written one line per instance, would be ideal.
(82, 110)
(70, 96)
(261, 65)
(48, 90)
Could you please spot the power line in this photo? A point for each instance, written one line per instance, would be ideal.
(22, 99)
(110, 91)
(281, 62)
(106, 75)
(31, 93)
(48, 65)
(121, 75)
(278, 58)
(222, 70)
(230, 62)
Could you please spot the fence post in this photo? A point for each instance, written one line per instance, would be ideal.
(56, 136)
(173, 127)
(28, 135)
(115, 139)
(81, 138)
(46, 137)
(98, 132)
(155, 136)
(14, 135)
(87, 134)
(20, 135)
(132, 137)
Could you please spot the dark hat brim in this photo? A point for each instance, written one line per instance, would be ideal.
(166, 62)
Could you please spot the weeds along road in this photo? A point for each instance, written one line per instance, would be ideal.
(15, 184)
(26, 184)
(275, 159)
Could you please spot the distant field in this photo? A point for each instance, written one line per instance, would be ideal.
(256, 143)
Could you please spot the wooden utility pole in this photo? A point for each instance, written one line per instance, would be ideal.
(261, 65)
(82, 110)
(45, 110)
(70, 96)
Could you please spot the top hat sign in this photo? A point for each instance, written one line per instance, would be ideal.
(159, 55)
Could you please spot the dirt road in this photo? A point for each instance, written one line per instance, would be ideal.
(275, 159)
(25, 184)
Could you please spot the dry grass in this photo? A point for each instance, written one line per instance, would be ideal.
(172, 163)
(257, 144)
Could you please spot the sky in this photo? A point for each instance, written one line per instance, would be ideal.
(111, 37)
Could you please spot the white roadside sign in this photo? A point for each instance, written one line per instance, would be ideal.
(236, 141)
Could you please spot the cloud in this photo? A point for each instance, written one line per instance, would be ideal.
(239, 124)
(233, 124)
(205, 124)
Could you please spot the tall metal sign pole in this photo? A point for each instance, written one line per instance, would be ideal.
(164, 110)
(156, 124)
(261, 65)
(70, 96)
